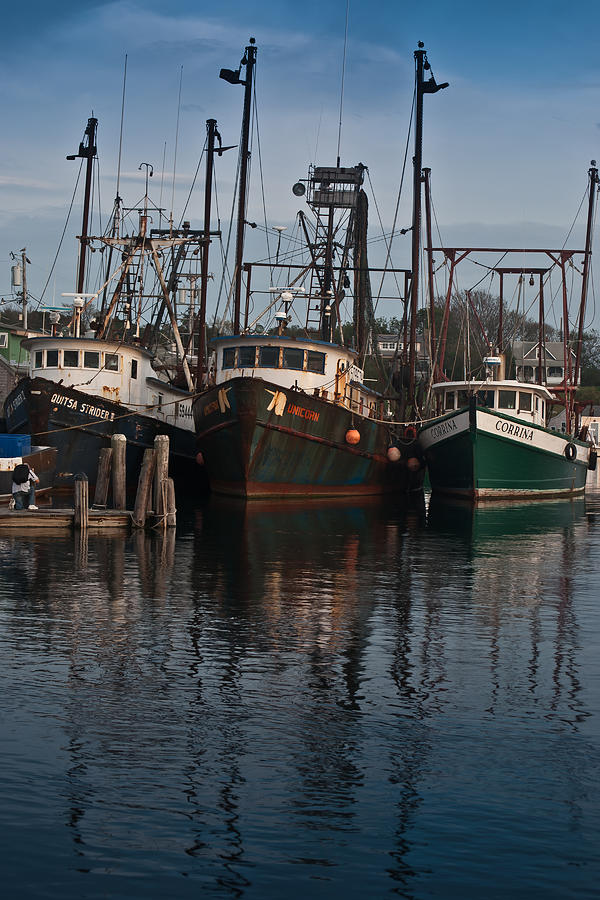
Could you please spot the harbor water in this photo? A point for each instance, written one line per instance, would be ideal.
(321, 699)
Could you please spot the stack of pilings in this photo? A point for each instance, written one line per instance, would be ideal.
(155, 498)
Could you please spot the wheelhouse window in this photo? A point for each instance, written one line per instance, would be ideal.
(229, 357)
(91, 359)
(52, 358)
(315, 362)
(71, 358)
(111, 362)
(507, 399)
(486, 398)
(39, 359)
(463, 398)
(134, 368)
(293, 358)
(246, 357)
(268, 357)
(449, 400)
(524, 401)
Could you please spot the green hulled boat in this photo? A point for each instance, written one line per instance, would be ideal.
(491, 442)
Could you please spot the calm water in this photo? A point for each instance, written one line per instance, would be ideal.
(305, 701)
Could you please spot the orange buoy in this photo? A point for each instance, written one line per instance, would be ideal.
(393, 454)
(199, 459)
(352, 436)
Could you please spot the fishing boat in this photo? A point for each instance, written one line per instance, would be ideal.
(101, 376)
(490, 438)
(289, 413)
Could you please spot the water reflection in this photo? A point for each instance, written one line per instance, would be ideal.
(299, 697)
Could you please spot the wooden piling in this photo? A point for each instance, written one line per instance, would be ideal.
(103, 478)
(118, 443)
(161, 472)
(171, 508)
(81, 516)
(143, 489)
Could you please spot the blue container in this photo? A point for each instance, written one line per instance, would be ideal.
(15, 444)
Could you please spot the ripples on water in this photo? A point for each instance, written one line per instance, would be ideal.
(304, 700)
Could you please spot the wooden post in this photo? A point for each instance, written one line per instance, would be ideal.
(103, 478)
(81, 502)
(161, 473)
(171, 508)
(143, 489)
(118, 443)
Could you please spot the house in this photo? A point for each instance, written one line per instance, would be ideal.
(391, 348)
(526, 362)
(14, 360)
(590, 418)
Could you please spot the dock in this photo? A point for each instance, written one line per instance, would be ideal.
(154, 503)
(25, 519)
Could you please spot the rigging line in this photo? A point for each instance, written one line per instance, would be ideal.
(583, 199)
(62, 237)
(193, 185)
(121, 128)
(260, 169)
(162, 181)
(225, 250)
(342, 85)
(176, 145)
(383, 234)
(393, 230)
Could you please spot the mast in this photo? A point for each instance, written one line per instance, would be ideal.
(233, 77)
(87, 150)
(422, 87)
(593, 176)
(211, 128)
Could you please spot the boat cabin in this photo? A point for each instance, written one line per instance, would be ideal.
(110, 370)
(324, 370)
(529, 402)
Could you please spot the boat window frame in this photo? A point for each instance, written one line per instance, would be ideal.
(229, 353)
(269, 348)
(316, 356)
(90, 353)
(134, 369)
(52, 365)
(447, 396)
(481, 398)
(505, 392)
(240, 351)
(108, 362)
(292, 350)
(71, 365)
(38, 359)
(529, 397)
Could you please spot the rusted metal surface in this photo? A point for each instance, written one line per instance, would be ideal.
(260, 441)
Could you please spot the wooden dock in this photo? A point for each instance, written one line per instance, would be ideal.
(25, 519)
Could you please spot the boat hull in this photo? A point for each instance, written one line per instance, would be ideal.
(258, 440)
(79, 425)
(480, 454)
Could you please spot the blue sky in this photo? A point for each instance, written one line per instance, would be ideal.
(508, 143)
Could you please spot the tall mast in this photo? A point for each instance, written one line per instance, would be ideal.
(87, 151)
(593, 176)
(422, 87)
(211, 128)
(233, 77)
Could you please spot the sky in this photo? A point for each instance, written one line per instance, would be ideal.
(509, 142)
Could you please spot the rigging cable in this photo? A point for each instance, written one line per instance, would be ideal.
(62, 237)
(175, 153)
(342, 85)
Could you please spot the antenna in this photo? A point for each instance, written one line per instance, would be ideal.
(342, 87)
(121, 130)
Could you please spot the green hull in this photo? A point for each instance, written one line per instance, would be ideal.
(481, 454)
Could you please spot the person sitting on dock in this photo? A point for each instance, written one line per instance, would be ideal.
(23, 491)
